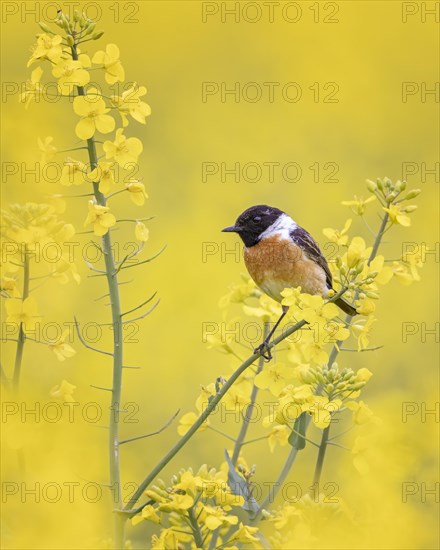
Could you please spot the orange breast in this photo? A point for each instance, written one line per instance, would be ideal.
(275, 264)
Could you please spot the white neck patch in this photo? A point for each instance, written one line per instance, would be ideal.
(282, 227)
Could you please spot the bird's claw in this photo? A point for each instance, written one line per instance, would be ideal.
(264, 350)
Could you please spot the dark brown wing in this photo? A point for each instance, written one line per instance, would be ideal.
(310, 247)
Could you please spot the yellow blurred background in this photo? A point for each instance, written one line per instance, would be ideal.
(364, 70)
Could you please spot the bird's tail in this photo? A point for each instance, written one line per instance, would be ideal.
(346, 307)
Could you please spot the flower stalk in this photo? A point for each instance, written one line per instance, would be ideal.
(240, 441)
(290, 460)
(210, 409)
(21, 335)
(335, 352)
(111, 274)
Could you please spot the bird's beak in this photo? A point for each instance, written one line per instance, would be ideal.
(232, 229)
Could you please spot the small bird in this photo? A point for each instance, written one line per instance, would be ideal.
(280, 254)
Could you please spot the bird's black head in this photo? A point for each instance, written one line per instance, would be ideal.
(253, 222)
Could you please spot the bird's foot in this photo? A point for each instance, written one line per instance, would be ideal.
(264, 350)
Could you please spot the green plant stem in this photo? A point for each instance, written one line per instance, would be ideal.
(321, 456)
(273, 491)
(113, 288)
(195, 527)
(239, 442)
(335, 352)
(210, 409)
(21, 335)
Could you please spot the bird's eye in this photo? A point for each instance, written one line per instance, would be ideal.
(257, 219)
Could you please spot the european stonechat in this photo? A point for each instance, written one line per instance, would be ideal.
(280, 254)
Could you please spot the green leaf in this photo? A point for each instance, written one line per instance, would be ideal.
(239, 486)
(295, 439)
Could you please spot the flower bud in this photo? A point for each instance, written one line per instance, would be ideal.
(409, 208)
(391, 196)
(401, 185)
(70, 40)
(329, 388)
(76, 16)
(90, 28)
(412, 194)
(371, 186)
(97, 35)
(64, 21)
(379, 184)
(44, 27)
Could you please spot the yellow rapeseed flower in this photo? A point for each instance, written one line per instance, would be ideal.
(33, 89)
(141, 232)
(64, 391)
(359, 204)
(48, 151)
(274, 378)
(187, 421)
(23, 312)
(101, 218)
(104, 174)
(279, 435)
(137, 191)
(114, 71)
(73, 172)
(70, 73)
(62, 350)
(124, 150)
(336, 236)
(398, 214)
(47, 47)
(214, 517)
(129, 103)
(94, 115)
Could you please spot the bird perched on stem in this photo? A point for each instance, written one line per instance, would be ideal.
(280, 254)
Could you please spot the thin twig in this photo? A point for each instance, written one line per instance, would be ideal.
(152, 433)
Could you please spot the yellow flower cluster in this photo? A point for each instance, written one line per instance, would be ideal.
(34, 236)
(320, 392)
(193, 507)
(72, 69)
(34, 230)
